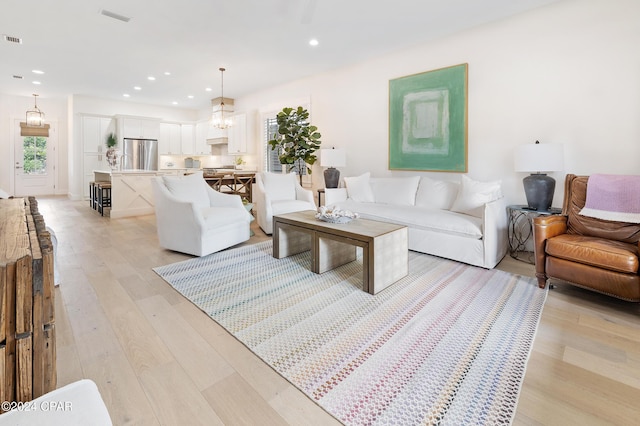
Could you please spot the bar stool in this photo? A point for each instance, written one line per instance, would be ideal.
(104, 196)
(92, 195)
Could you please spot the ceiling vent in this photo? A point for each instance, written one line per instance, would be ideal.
(18, 77)
(115, 15)
(12, 39)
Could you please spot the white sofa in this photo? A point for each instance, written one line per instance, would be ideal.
(463, 221)
(278, 193)
(192, 218)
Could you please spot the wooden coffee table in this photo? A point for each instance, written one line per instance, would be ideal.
(384, 246)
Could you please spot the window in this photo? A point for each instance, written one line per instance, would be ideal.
(35, 155)
(272, 164)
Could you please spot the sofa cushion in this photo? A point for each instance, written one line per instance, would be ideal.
(436, 194)
(280, 186)
(190, 188)
(359, 188)
(473, 195)
(598, 252)
(419, 217)
(399, 191)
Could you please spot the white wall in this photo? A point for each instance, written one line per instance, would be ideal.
(14, 108)
(566, 73)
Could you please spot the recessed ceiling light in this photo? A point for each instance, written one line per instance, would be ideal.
(167, 73)
(137, 88)
(126, 95)
(208, 89)
(36, 82)
(174, 103)
(190, 96)
(151, 78)
(313, 42)
(37, 72)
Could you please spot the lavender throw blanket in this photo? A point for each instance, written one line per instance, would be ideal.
(613, 197)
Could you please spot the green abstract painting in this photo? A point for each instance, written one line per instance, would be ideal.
(428, 121)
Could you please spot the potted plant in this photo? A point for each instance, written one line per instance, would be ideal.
(239, 162)
(296, 139)
(112, 153)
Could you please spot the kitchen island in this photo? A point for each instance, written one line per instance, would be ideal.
(131, 193)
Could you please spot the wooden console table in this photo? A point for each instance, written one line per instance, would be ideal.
(27, 318)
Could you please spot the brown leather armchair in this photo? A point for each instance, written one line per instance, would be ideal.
(595, 254)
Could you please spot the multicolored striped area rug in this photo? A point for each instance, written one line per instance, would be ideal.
(448, 344)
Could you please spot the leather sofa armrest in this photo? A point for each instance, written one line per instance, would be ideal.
(545, 227)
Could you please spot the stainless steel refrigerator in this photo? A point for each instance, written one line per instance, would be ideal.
(139, 154)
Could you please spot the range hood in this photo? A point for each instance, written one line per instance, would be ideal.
(223, 140)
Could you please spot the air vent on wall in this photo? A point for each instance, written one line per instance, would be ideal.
(12, 39)
(115, 15)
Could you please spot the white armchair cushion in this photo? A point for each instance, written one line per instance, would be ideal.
(188, 188)
(280, 186)
(398, 191)
(473, 195)
(359, 188)
(289, 206)
(436, 194)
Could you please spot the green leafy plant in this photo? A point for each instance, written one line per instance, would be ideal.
(112, 140)
(296, 139)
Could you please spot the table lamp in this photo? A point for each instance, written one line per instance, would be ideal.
(538, 159)
(332, 158)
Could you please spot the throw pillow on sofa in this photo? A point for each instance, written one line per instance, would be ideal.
(397, 191)
(359, 188)
(473, 195)
(436, 194)
(188, 188)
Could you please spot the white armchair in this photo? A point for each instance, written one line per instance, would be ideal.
(193, 218)
(277, 193)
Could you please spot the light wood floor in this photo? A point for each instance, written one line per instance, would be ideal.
(157, 359)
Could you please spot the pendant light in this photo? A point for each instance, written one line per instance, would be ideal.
(219, 120)
(35, 117)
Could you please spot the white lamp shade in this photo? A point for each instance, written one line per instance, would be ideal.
(539, 157)
(332, 158)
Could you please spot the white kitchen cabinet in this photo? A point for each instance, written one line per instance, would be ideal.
(237, 135)
(201, 146)
(94, 131)
(187, 132)
(138, 128)
(170, 140)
